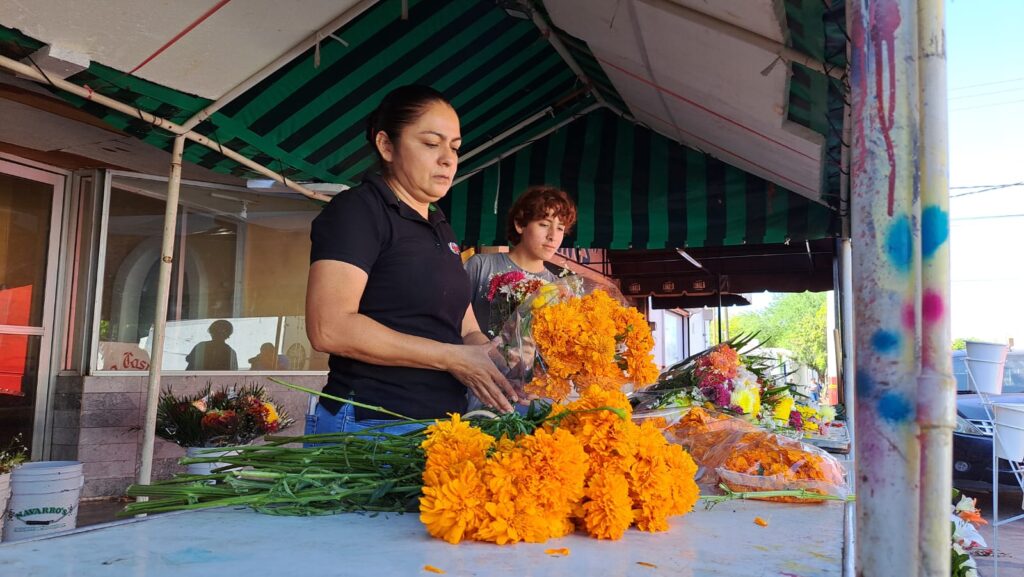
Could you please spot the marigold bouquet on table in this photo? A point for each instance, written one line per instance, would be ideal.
(588, 467)
(226, 417)
(574, 334)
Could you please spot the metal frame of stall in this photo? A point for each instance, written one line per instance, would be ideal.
(898, 251)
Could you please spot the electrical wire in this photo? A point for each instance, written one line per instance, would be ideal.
(981, 189)
(969, 86)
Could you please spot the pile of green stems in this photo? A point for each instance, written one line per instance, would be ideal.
(342, 472)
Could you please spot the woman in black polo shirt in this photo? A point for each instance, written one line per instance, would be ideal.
(387, 296)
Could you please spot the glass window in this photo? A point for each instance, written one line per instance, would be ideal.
(673, 338)
(26, 208)
(238, 282)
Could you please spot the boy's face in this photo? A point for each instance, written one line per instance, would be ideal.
(542, 237)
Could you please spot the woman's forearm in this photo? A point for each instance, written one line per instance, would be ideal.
(359, 337)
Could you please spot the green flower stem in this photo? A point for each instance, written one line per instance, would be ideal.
(340, 400)
(712, 500)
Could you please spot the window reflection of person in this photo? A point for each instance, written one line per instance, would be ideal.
(268, 359)
(214, 354)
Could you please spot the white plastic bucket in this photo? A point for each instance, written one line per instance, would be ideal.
(5, 492)
(986, 361)
(204, 468)
(44, 499)
(1009, 431)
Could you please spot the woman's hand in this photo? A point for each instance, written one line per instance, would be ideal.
(472, 366)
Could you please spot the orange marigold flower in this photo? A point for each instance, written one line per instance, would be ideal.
(579, 342)
(534, 483)
(455, 510)
(685, 491)
(607, 511)
(449, 443)
(661, 480)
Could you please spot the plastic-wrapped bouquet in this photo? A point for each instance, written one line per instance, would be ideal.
(506, 291)
(730, 377)
(574, 334)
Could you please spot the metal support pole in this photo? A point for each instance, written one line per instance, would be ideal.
(936, 404)
(846, 318)
(884, 177)
(163, 293)
(718, 289)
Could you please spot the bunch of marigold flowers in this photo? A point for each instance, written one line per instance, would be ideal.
(588, 467)
(590, 342)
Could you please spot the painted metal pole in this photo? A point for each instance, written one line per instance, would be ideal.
(883, 190)
(936, 405)
(163, 292)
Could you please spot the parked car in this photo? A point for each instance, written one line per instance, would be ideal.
(972, 439)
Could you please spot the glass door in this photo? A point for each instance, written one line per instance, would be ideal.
(30, 210)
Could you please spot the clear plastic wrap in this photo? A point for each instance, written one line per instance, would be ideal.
(574, 333)
(733, 451)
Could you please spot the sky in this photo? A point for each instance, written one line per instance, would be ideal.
(985, 69)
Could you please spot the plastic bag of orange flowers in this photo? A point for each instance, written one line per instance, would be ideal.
(573, 334)
(747, 458)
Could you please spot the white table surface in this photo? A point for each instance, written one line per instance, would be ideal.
(799, 541)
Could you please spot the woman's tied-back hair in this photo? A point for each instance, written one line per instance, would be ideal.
(535, 204)
(400, 108)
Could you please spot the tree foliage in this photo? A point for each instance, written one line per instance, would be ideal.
(794, 321)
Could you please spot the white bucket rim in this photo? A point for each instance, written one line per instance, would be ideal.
(47, 464)
(54, 475)
(974, 360)
(46, 467)
(986, 343)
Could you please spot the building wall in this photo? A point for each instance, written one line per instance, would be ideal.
(98, 421)
(270, 256)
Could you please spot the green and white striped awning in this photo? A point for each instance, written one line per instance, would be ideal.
(636, 189)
